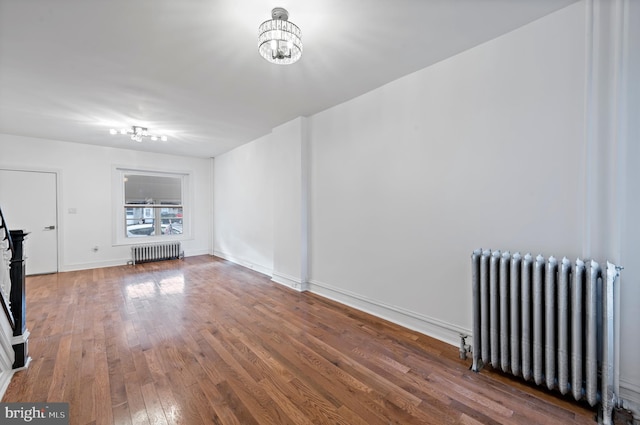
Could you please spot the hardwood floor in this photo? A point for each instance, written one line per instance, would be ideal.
(203, 341)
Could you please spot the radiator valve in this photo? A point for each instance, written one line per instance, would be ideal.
(464, 347)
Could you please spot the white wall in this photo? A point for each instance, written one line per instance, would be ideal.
(85, 178)
(630, 232)
(260, 214)
(243, 205)
(483, 150)
(493, 148)
(290, 212)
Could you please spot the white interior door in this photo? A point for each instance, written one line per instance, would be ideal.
(29, 202)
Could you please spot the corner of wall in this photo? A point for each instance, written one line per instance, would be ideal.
(244, 263)
(629, 399)
(290, 282)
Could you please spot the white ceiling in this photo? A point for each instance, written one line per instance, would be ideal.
(72, 69)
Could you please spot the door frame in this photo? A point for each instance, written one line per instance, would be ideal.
(59, 221)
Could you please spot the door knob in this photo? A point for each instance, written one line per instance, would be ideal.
(49, 227)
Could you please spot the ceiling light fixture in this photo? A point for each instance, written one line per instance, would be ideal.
(137, 133)
(280, 41)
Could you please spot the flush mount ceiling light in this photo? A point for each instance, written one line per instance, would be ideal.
(137, 133)
(279, 41)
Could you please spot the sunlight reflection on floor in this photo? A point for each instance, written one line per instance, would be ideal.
(172, 285)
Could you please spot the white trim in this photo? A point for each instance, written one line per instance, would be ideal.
(630, 398)
(196, 252)
(120, 262)
(5, 380)
(441, 330)
(94, 265)
(20, 339)
(244, 263)
(27, 362)
(7, 354)
(117, 204)
(631, 387)
(290, 281)
(211, 217)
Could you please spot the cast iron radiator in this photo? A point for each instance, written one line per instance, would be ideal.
(546, 321)
(155, 252)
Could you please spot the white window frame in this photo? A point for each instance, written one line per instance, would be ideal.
(118, 202)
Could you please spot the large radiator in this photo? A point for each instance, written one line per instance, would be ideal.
(155, 252)
(547, 321)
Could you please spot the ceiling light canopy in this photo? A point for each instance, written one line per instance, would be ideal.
(137, 133)
(280, 41)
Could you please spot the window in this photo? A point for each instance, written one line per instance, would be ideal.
(152, 206)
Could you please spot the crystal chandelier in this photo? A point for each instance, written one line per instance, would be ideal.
(279, 41)
(137, 133)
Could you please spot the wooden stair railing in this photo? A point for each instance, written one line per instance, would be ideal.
(18, 300)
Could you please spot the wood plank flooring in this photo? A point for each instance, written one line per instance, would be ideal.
(203, 341)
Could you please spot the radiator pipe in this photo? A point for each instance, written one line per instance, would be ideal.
(577, 328)
(563, 326)
(464, 348)
(608, 395)
(550, 322)
(485, 338)
(514, 293)
(526, 317)
(592, 334)
(475, 288)
(538, 302)
(495, 308)
(505, 260)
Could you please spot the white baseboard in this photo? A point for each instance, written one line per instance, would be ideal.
(93, 265)
(290, 281)
(630, 398)
(244, 263)
(196, 252)
(446, 332)
(119, 262)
